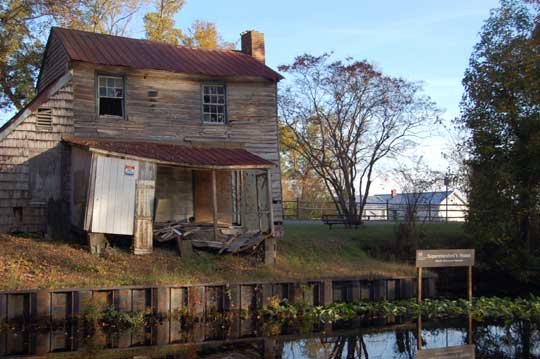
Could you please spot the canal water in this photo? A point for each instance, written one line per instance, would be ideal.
(244, 338)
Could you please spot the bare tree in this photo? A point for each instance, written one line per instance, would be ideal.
(106, 16)
(418, 183)
(345, 117)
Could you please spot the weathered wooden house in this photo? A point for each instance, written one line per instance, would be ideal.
(124, 133)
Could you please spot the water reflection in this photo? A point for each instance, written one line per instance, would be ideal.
(235, 337)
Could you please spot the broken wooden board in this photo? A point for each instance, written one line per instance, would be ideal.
(227, 243)
(164, 232)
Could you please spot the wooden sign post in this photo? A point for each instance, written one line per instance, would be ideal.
(444, 258)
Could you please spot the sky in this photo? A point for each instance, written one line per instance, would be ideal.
(428, 41)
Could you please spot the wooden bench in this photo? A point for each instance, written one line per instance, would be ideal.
(331, 219)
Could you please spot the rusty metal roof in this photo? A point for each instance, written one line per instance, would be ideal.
(186, 156)
(144, 54)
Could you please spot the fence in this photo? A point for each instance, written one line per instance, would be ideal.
(378, 211)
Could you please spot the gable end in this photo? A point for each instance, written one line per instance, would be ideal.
(55, 62)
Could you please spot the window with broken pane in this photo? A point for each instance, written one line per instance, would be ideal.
(111, 96)
(214, 103)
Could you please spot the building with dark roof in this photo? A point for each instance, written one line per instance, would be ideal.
(126, 133)
(436, 206)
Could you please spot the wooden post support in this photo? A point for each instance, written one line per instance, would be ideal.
(419, 333)
(470, 341)
(328, 292)
(470, 284)
(270, 205)
(243, 195)
(470, 332)
(145, 191)
(43, 305)
(297, 208)
(214, 203)
(162, 300)
(419, 290)
(270, 250)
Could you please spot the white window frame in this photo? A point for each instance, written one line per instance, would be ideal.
(107, 95)
(216, 100)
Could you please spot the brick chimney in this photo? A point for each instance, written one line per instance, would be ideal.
(253, 44)
(393, 193)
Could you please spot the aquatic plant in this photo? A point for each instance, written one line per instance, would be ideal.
(112, 318)
(483, 308)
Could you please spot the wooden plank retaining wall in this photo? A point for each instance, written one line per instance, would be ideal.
(203, 299)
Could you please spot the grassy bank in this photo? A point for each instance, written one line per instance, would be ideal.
(308, 251)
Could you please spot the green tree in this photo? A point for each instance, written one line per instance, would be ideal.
(345, 117)
(299, 179)
(501, 109)
(19, 53)
(24, 26)
(159, 25)
(204, 34)
(103, 16)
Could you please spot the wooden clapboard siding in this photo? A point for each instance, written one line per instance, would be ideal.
(31, 164)
(174, 115)
(55, 62)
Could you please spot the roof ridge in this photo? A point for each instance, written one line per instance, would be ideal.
(59, 28)
(113, 50)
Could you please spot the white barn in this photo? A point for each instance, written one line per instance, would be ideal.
(438, 206)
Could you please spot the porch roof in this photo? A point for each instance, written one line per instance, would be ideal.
(178, 155)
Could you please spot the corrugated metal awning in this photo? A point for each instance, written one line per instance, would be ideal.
(179, 155)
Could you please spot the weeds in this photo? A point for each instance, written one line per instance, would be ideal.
(111, 318)
(484, 308)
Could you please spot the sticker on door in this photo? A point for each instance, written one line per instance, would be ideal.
(129, 170)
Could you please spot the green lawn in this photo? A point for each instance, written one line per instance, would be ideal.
(312, 244)
(307, 251)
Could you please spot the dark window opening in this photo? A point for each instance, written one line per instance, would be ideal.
(111, 96)
(110, 107)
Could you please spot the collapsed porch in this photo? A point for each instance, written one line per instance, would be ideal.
(209, 194)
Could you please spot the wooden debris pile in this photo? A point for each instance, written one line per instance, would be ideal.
(230, 239)
(168, 231)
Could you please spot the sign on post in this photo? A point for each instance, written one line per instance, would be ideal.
(457, 352)
(444, 258)
(438, 258)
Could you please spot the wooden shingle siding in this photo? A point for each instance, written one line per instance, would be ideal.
(30, 166)
(55, 63)
(174, 114)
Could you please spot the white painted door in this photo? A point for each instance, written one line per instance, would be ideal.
(114, 195)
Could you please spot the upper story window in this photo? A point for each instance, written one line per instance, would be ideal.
(111, 95)
(214, 103)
